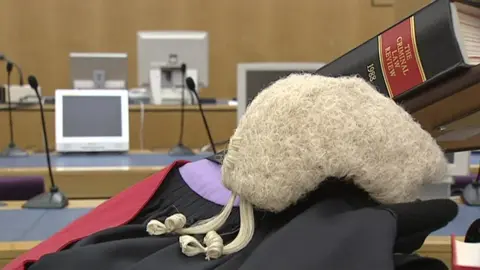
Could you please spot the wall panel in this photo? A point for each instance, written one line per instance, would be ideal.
(39, 34)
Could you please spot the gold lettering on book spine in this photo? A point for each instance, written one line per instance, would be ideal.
(417, 55)
(380, 57)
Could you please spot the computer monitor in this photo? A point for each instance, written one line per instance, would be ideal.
(99, 70)
(155, 48)
(254, 77)
(458, 165)
(94, 120)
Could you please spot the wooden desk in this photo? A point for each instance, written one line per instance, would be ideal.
(92, 183)
(160, 126)
(438, 247)
(86, 183)
(435, 246)
(92, 176)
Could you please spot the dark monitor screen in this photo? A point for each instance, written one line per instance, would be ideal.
(450, 157)
(92, 116)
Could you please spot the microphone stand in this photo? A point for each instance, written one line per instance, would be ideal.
(11, 150)
(54, 199)
(192, 88)
(180, 149)
(471, 193)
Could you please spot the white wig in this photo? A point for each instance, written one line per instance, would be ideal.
(300, 131)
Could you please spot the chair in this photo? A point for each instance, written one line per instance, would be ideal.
(19, 188)
(460, 182)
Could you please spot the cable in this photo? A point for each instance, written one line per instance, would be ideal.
(20, 73)
(24, 99)
(207, 147)
(182, 105)
(142, 122)
(9, 101)
(192, 99)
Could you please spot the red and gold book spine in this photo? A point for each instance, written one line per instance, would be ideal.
(407, 57)
(400, 62)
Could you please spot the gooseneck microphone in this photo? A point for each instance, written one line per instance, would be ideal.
(19, 69)
(11, 150)
(180, 149)
(54, 199)
(20, 73)
(192, 87)
(182, 112)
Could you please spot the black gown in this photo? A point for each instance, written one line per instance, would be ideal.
(331, 229)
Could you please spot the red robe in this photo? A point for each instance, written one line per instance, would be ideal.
(117, 211)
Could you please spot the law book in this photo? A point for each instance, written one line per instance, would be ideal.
(454, 116)
(429, 63)
(438, 41)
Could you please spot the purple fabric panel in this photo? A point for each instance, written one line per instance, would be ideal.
(205, 178)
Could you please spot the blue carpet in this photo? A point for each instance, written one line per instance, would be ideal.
(51, 222)
(95, 160)
(15, 224)
(466, 215)
(33, 225)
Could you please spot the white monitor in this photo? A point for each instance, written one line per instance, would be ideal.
(458, 165)
(99, 70)
(156, 48)
(94, 120)
(254, 77)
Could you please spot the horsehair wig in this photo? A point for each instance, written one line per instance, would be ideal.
(305, 128)
(300, 131)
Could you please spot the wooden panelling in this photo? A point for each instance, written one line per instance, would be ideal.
(404, 8)
(39, 35)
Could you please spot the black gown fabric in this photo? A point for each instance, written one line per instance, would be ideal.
(334, 229)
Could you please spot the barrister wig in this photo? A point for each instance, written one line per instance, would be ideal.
(303, 129)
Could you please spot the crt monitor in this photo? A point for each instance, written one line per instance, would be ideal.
(155, 48)
(254, 77)
(99, 70)
(95, 120)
